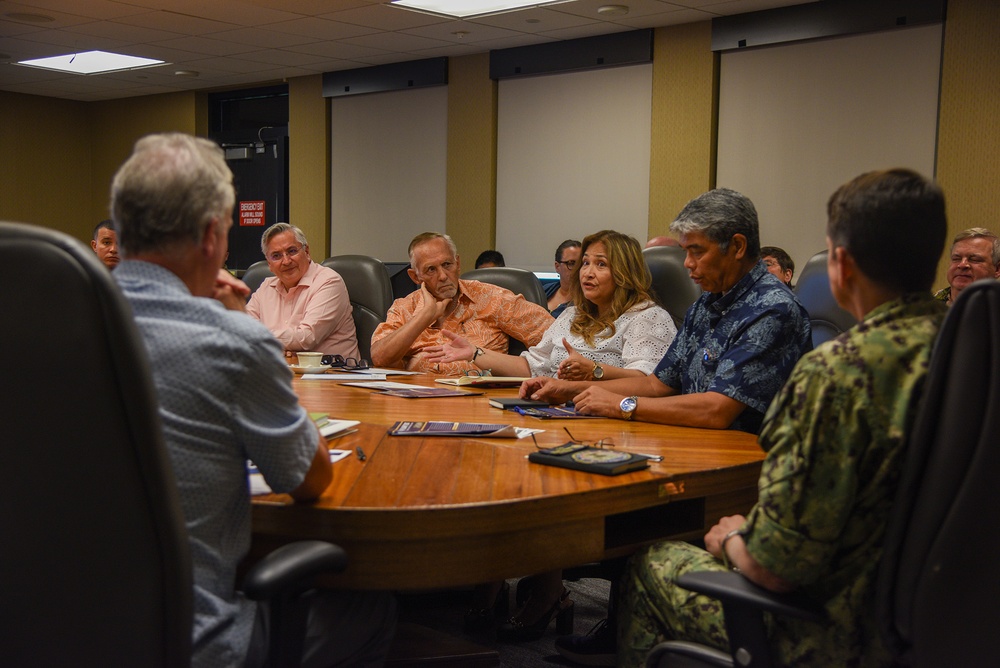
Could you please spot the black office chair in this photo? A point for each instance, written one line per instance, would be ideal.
(937, 592)
(370, 291)
(256, 274)
(95, 567)
(812, 289)
(518, 281)
(672, 286)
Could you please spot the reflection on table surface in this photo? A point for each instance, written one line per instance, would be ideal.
(424, 512)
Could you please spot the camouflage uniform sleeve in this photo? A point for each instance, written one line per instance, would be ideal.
(809, 478)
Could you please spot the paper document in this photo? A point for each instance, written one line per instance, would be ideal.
(381, 385)
(343, 377)
(483, 381)
(259, 486)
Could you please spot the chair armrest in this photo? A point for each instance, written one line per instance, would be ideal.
(291, 568)
(731, 587)
(683, 653)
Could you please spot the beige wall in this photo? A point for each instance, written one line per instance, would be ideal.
(684, 123)
(45, 176)
(968, 158)
(309, 163)
(61, 154)
(470, 200)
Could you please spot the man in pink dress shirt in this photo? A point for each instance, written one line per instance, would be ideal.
(305, 305)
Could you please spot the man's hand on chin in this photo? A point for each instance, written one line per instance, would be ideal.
(231, 291)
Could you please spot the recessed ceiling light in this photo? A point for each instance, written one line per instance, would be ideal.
(30, 18)
(91, 62)
(463, 9)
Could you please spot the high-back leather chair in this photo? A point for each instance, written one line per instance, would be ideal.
(672, 285)
(256, 274)
(370, 291)
(518, 281)
(812, 289)
(95, 568)
(937, 591)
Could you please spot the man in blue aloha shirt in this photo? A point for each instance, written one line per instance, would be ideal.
(835, 439)
(739, 341)
(736, 347)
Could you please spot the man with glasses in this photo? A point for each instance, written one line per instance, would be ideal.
(486, 315)
(975, 255)
(305, 305)
(559, 293)
(779, 263)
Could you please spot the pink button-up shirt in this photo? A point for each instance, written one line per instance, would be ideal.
(315, 315)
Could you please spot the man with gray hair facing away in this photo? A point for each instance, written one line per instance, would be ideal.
(225, 396)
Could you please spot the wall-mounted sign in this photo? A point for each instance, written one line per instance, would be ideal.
(252, 214)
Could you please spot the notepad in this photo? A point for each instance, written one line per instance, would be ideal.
(438, 428)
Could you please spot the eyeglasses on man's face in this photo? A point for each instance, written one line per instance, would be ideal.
(569, 264)
(277, 256)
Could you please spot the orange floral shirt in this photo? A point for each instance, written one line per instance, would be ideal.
(486, 316)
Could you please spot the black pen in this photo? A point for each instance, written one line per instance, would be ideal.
(361, 453)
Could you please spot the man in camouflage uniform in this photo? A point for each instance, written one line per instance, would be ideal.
(834, 438)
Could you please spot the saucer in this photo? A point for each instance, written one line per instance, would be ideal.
(320, 368)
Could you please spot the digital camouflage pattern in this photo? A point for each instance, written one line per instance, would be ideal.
(834, 438)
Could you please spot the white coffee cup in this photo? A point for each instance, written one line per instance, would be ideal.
(307, 360)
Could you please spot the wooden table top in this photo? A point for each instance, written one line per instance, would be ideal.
(440, 511)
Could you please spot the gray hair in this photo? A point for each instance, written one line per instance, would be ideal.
(719, 214)
(168, 191)
(277, 229)
(424, 237)
(980, 233)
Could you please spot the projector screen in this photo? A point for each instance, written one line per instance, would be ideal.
(572, 159)
(388, 154)
(798, 120)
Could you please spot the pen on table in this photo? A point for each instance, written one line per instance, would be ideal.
(652, 458)
(361, 453)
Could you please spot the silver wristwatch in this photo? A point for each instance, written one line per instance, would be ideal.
(628, 406)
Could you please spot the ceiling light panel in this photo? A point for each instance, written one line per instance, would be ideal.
(91, 62)
(463, 9)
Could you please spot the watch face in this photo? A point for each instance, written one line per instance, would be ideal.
(598, 371)
(627, 405)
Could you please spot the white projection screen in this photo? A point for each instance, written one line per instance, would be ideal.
(798, 120)
(572, 158)
(388, 154)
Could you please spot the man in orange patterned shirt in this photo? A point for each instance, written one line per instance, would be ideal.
(486, 315)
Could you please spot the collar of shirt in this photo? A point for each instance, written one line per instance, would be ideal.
(719, 303)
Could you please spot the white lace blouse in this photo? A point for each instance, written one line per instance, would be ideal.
(642, 336)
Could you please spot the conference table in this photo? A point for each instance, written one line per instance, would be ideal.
(422, 512)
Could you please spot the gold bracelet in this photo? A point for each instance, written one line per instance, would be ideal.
(725, 557)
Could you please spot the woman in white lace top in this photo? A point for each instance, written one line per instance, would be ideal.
(613, 329)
